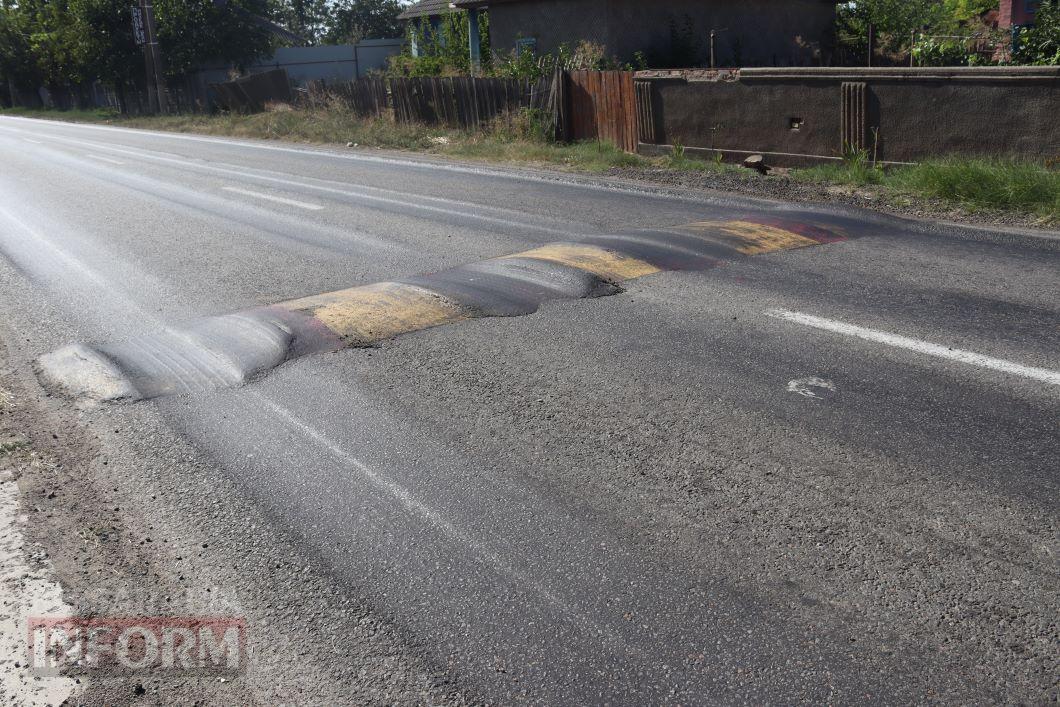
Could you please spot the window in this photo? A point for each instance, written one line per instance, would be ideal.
(525, 44)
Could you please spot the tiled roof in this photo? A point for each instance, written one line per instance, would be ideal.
(426, 8)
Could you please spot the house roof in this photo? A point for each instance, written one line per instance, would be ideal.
(426, 8)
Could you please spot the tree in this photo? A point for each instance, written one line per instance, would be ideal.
(105, 47)
(307, 18)
(354, 20)
(893, 22)
(18, 65)
(969, 10)
(193, 33)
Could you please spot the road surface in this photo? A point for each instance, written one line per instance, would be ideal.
(766, 453)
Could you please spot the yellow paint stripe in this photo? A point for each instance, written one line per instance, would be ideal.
(752, 238)
(372, 313)
(599, 261)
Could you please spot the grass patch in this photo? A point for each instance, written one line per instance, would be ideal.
(679, 160)
(96, 115)
(854, 175)
(975, 184)
(587, 156)
(984, 184)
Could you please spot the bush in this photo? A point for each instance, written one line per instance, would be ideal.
(442, 51)
(1040, 44)
(856, 169)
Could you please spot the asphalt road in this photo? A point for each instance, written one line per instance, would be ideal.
(825, 474)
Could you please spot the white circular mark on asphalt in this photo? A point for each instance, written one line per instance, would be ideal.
(811, 387)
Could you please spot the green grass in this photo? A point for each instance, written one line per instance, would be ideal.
(845, 173)
(975, 184)
(984, 184)
(586, 156)
(96, 115)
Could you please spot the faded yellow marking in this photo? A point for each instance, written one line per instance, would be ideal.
(753, 238)
(599, 261)
(372, 313)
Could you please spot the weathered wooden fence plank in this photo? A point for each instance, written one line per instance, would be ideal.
(602, 106)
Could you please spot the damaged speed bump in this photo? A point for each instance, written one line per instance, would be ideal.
(369, 314)
(233, 349)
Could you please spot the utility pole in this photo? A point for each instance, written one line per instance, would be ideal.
(153, 56)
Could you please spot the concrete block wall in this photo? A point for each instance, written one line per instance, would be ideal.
(796, 115)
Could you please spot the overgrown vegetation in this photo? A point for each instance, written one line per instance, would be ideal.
(1041, 44)
(976, 184)
(443, 51)
(944, 33)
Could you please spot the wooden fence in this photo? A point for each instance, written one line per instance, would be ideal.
(603, 106)
(368, 98)
(468, 102)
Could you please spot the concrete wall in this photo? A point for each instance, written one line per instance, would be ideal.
(550, 22)
(756, 32)
(795, 114)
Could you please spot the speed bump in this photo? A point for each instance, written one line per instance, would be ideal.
(366, 315)
(232, 349)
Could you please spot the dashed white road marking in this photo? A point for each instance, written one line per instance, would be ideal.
(277, 199)
(101, 158)
(924, 347)
(35, 142)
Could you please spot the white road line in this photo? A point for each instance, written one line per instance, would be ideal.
(35, 142)
(101, 158)
(903, 342)
(473, 214)
(277, 199)
(323, 152)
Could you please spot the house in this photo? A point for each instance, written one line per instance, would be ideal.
(667, 32)
(1017, 13)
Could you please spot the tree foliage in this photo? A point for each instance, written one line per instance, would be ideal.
(1041, 44)
(194, 33)
(18, 63)
(354, 20)
(892, 21)
(105, 48)
(311, 19)
(63, 42)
